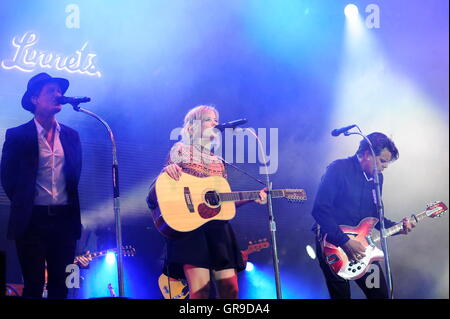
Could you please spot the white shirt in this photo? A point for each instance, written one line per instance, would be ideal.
(50, 181)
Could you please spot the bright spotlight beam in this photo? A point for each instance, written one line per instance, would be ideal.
(354, 23)
(110, 258)
(351, 11)
(311, 252)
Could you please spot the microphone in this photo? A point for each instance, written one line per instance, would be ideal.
(344, 130)
(231, 124)
(72, 100)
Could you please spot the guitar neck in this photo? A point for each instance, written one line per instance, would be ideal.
(399, 227)
(249, 250)
(255, 247)
(247, 195)
(99, 253)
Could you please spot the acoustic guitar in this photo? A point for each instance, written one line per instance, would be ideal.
(186, 204)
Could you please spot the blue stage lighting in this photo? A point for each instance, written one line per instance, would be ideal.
(110, 258)
(249, 267)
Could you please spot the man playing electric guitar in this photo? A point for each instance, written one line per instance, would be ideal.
(345, 197)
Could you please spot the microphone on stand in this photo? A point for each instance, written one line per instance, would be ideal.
(231, 124)
(339, 131)
(72, 100)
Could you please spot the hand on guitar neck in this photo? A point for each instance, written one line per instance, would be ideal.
(262, 196)
(408, 225)
(262, 200)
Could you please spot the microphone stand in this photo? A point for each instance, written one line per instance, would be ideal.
(116, 198)
(380, 209)
(272, 224)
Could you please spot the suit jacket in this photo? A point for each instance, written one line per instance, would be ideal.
(19, 166)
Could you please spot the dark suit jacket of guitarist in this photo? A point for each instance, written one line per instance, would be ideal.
(19, 167)
(344, 197)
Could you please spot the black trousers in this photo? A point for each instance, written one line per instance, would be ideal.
(340, 288)
(47, 241)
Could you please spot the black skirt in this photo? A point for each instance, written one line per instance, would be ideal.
(212, 246)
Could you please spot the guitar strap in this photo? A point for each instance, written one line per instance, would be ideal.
(319, 239)
(319, 235)
(168, 282)
(151, 199)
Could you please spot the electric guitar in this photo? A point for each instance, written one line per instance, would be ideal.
(178, 289)
(337, 259)
(127, 251)
(253, 247)
(190, 202)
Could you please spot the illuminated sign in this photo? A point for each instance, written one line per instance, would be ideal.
(27, 58)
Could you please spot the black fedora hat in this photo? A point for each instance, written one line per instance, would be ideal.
(36, 83)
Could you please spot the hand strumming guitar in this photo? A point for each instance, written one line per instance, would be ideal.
(174, 171)
(354, 250)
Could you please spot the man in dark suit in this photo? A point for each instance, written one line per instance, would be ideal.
(345, 197)
(40, 171)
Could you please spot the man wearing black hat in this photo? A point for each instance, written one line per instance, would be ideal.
(40, 171)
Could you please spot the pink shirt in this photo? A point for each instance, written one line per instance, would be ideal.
(50, 181)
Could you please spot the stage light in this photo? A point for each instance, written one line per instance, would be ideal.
(249, 267)
(110, 258)
(351, 11)
(311, 252)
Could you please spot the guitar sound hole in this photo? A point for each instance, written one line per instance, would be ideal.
(212, 198)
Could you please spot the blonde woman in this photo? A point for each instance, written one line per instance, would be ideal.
(212, 249)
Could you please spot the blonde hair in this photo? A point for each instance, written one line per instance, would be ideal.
(194, 117)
